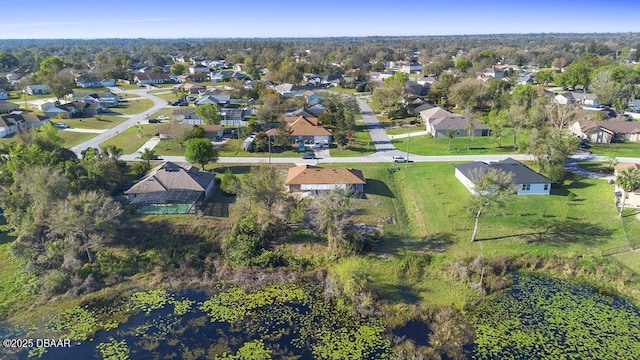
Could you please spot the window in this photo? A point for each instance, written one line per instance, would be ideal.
(546, 187)
(526, 187)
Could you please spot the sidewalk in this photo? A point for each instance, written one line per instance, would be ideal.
(413, 133)
(149, 144)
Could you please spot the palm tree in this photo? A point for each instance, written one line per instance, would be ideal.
(148, 155)
(628, 180)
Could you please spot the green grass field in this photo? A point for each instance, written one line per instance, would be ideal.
(129, 140)
(426, 145)
(15, 283)
(405, 130)
(71, 138)
(360, 144)
(624, 149)
(101, 121)
(233, 148)
(132, 107)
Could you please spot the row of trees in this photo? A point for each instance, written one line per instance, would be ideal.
(60, 208)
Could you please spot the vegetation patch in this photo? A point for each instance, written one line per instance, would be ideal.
(554, 319)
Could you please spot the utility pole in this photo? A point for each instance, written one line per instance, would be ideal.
(269, 141)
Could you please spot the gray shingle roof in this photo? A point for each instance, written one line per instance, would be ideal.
(521, 173)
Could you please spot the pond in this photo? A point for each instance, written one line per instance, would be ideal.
(277, 321)
(545, 318)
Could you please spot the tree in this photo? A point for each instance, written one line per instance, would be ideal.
(524, 95)
(51, 132)
(245, 241)
(8, 60)
(450, 134)
(148, 155)
(178, 69)
(210, 113)
(264, 185)
(283, 136)
(544, 76)
(552, 147)
(200, 151)
(605, 87)
(468, 94)
(470, 129)
(490, 188)
(462, 63)
(628, 180)
(333, 211)
(60, 83)
(48, 67)
(84, 220)
(229, 183)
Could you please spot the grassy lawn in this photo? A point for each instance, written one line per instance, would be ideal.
(132, 107)
(341, 90)
(233, 148)
(426, 145)
(630, 259)
(405, 130)
(71, 138)
(170, 97)
(101, 121)
(624, 149)
(121, 84)
(422, 208)
(15, 282)
(360, 145)
(129, 141)
(169, 147)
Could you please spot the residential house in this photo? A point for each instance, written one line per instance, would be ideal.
(526, 181)
(304, 112)
(304, 131)
(311, 97)
(57, 112)
(333, 79)
(426, 81)
(564, 98)
(525, 79)
(604, 132)
(439, 122)
(226, 75)
(632, 199)
(213, 132)
(412, 67)
(199, 69)
(288, 90)
(239, 67)
(585, 98)
(18, 121)
(4, 95)
(314, 180)
(35, 89)
(94, 83)
(7, 107)
(81, 108)
(491, 73)
(171, 188)
(190, 88)
(414, 89)
(143, 79)
(219, 99)
(198, 77)
(105, 99)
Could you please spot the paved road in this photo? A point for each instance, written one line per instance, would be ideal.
(378, 135)
(158, 104)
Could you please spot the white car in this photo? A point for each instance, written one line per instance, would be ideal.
(399, 159)
(163, 117)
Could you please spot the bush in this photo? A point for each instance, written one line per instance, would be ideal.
(229, 183)
(55, 282)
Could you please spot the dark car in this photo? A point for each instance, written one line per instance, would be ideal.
(154, 121)
(308, 156)
(584, 145)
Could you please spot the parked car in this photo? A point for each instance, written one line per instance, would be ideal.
(191, 98)
(308, 156)
(399, 159)
(584, 145)
(179, 103)
(61, 125)
(163, 117)
(154, 121)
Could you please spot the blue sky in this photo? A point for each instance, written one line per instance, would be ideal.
(20, 19)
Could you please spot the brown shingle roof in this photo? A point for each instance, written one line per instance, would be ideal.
(309, 174)
(618, 127)
(303, 127)
(170, 176)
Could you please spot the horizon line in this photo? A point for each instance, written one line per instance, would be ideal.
(327, 37)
